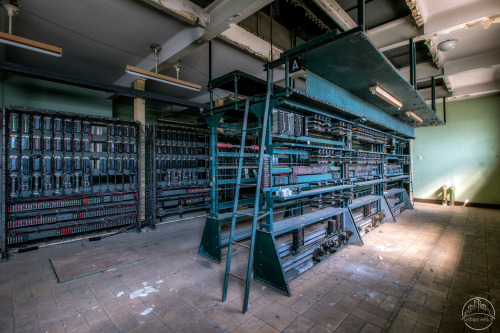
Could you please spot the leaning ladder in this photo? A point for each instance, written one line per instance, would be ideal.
(256, 212)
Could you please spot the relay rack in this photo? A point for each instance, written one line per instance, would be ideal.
(325, 182)
(66, 174)
(177, 178)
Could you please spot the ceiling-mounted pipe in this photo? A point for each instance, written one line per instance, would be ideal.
(361, 14)
(444, 110)
(11, 11)
(210, 74)
(433, 93)
(413, 74)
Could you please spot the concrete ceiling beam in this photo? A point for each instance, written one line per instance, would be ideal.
(394, 34)
(250, 43)
(183, 10)
(336, 13)
(188, 39)
(440, 93)
(477, 61)
(427, 70)
(459, 17)
(383, 35)
(424, 71)
(485, 89)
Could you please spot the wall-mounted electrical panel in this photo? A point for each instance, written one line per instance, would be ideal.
(66, 174)
(177, 170)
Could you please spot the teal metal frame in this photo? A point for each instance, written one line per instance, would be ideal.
(270, 267)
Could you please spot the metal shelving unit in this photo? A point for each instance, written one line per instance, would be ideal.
(326, 174)
(177, 170)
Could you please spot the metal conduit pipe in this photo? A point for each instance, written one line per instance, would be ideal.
(444, 189)
(452, 195)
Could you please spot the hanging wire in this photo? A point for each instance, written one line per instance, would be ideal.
(104, 44)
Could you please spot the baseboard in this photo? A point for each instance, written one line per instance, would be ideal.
(459, 203)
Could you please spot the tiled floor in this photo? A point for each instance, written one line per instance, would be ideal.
(411, 276)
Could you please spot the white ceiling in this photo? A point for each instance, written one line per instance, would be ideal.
(476, 57)
(99, 38)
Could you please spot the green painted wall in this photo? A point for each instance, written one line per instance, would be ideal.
(465, 152)
(40, 94)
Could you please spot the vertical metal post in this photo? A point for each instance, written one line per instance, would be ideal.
(210, 74)
(413, 73)
(433, 93)
(287, 73)
(3, 177)
(271, 30)
(294, 43)
(213, 170)
(444, 110)
(236, 91)
(361, 14)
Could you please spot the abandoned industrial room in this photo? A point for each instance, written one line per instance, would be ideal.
(250, 166)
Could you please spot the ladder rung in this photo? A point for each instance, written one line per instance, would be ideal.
(237, 276)
(253, 128)
(241, 244)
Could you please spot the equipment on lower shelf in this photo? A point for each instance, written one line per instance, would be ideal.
(66, 174)
(177, 170)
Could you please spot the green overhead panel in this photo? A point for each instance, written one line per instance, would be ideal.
(351, 61)
(247, 84)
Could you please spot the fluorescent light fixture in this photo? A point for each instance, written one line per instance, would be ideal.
(414, 116)
(161, 78)
(376, 90)
(30, 44)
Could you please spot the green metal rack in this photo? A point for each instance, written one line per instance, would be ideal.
(321, 172)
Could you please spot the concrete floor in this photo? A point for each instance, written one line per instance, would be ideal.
(411, 276)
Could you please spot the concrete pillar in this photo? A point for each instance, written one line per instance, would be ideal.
(140, 117)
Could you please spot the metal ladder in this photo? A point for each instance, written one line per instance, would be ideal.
(256, 212)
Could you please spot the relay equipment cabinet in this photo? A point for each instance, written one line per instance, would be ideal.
(66, 174)
(176, 170)
(313, 171)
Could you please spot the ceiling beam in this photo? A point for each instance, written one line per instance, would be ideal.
(453, 67)
(383, 39)
(478, 90)
(337, 14)
(95, 85)
(184, 10)
(190, 38)
(395, 33)
(457, 17)
(477, 61)
(424, 71)
(441, 92)
(251, 43)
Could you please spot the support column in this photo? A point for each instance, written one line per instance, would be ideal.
(140, 117)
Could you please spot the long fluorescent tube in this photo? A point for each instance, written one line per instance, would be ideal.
(414, 116)
(376, 90)
(30, 44)
(161, 78)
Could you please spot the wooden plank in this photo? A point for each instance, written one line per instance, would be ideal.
(29, 42)
(93, 261)
(161, 77)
